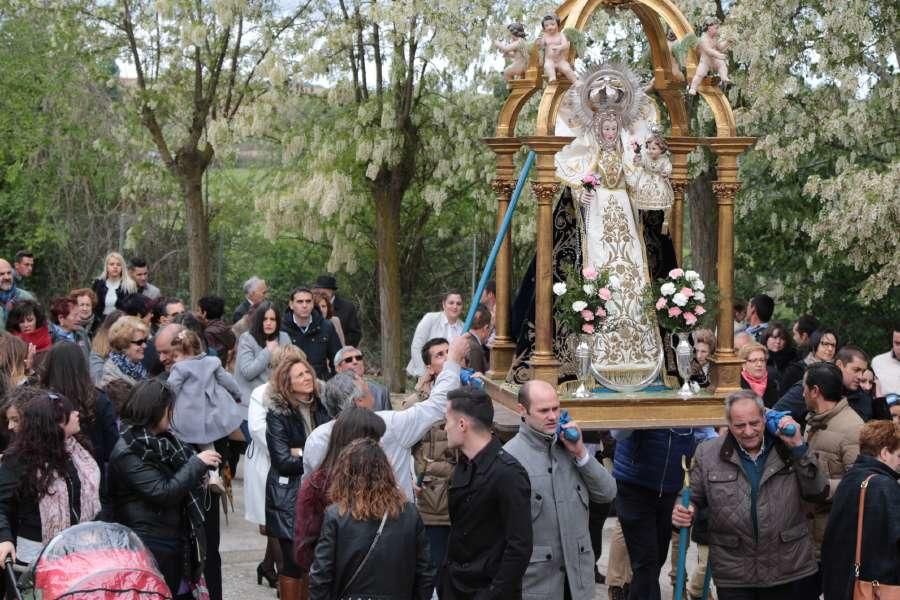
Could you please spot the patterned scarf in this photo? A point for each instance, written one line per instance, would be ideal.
(169, 451)
(54, 506)
(134, 370)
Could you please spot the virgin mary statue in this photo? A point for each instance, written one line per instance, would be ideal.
(604, 111)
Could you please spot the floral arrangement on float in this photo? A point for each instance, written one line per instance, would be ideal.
(581, 304)
(679, 308)
(581, 300)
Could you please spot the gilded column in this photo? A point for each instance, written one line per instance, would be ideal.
(727, 366)
(504, 346)
(676, 226)
(543, 362)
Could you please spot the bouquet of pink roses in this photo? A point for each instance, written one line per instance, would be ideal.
(581, 299)
(590, 181)
(681, 300)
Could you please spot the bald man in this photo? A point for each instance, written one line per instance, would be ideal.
(10, 293)
(158, 358)
(565, 478)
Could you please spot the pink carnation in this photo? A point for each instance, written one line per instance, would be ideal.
(661, 303)
(690, 318)
(589, 273)
(589, 180)
(604, 294)
(674, 311)
(699, 310)
(675, 273)
(587, 328)
(687, 292)
(587, 315)
(600, 312)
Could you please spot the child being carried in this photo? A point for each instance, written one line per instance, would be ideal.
(206, 398)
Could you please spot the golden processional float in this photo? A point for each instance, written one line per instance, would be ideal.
(641, 409)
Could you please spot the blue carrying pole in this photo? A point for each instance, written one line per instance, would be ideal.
(504, 229)
(707, 578)
(683, 539)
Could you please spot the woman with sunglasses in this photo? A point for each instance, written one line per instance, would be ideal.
(127, 342)
(48, 478)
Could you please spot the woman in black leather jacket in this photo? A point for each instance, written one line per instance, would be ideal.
(293, 411)
(373, 542)
(155, 484)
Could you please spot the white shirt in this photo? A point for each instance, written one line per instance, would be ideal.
(109, 303)
(887, 370)
(433, 325)
(404, 429)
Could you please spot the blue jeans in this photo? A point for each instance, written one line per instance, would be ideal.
(646, 519)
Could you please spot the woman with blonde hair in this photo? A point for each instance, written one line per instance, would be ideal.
(127, 342)
(112, 285)
(100, 346)
(256, 469)
(756, 375)
(294, 410)
(372, 543)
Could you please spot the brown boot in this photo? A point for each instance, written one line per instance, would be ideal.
(290, 588)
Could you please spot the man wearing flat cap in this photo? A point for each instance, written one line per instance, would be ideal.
(343, 309)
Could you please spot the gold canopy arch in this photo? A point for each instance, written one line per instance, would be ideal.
(670, 84)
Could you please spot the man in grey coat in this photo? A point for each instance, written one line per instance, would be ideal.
(565, 477)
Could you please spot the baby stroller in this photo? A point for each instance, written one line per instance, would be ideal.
(98, 561)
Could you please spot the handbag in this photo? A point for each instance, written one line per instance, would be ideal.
(868, 590)
(365, 558)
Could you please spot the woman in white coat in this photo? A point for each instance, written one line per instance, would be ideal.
(257, 469)
(445, 323)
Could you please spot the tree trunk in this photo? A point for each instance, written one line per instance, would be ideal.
(387, 227)
(704, 226)
(197, 228)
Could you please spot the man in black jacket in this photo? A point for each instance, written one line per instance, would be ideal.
(311, 333)
(343, 309)
(490, 507)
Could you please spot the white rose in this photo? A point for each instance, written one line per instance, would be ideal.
(698, 285)
(691, 275)
(679, 299)
(699, 297)
(614, 282)
(667, 289)
(588, 289)
(579, 305)
(559, 288)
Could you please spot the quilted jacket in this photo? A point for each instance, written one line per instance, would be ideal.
(783, 550)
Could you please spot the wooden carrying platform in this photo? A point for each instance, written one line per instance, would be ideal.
(639, 410)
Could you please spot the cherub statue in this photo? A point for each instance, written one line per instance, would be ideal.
(712, 56)
(653, 190)
(556, 50)
(516, 51)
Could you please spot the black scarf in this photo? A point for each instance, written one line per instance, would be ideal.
(169, 451)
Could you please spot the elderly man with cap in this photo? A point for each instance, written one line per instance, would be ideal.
(344, 309)
(351, 359)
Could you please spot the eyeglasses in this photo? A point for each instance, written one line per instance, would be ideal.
(140, 342)
(352, 359)
(828, 344)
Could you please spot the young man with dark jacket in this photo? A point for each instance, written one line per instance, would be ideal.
(490, 507)
(310, 332)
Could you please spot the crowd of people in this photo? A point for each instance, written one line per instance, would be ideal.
(126, 406)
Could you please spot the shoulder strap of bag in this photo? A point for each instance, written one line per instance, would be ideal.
(859, 524)
(366, 557)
